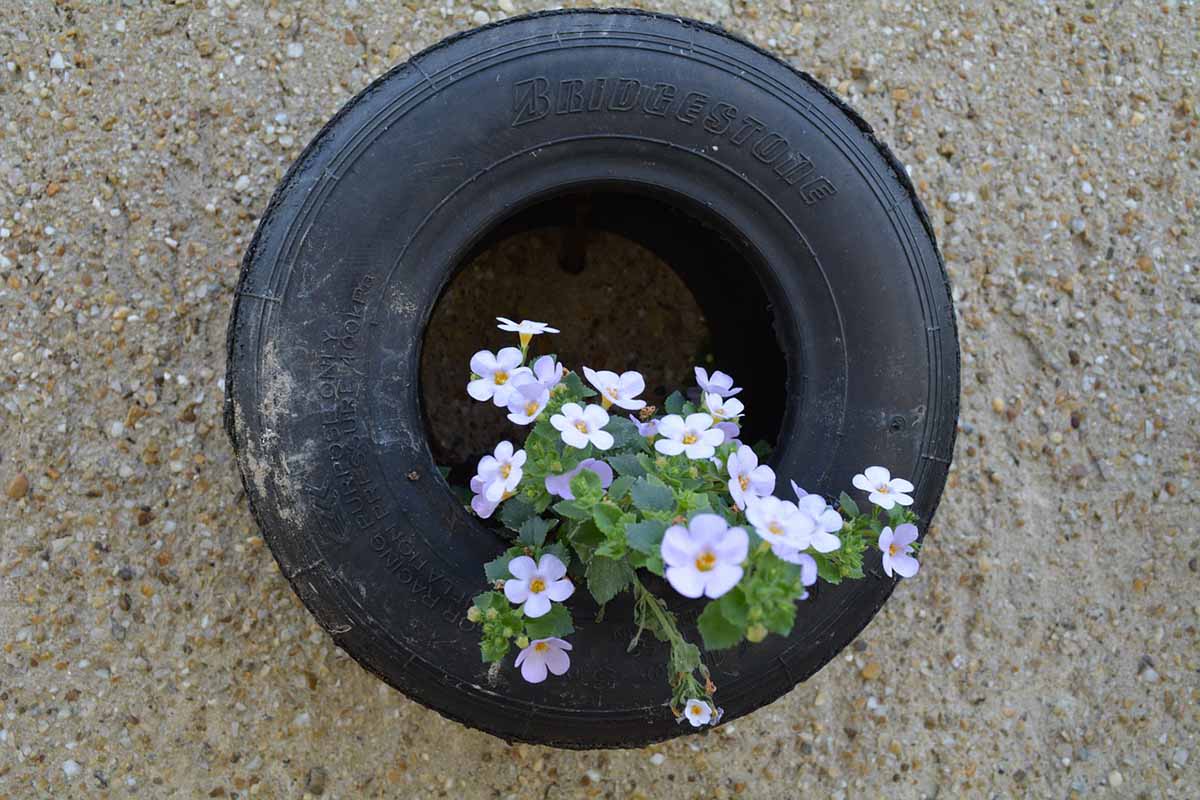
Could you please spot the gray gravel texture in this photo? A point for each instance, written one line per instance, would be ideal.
(150, 647)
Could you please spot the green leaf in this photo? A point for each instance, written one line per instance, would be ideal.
(620, 488)
(606, 578)
(674, 404)
(651, 494)
(848, 504)
(646, 536)
(559, 550)
(572, 510)
(497, 568)
(827, 570)
(608, 519)
(533, 531)
(624, 432)
(514, 512)
(586, 488)
(627, 464)
(734, 607)
(718, 632)
(576, 387)
(556, 622)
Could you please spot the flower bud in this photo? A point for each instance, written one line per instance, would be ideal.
(492, 614)
(522, 642)
(474, 614)
(508, 633)
(756, 633)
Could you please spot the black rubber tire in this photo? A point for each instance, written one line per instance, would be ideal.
(323, 403)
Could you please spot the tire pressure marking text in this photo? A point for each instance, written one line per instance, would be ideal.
(539, 98)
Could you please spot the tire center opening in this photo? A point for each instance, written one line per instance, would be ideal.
(632, 281)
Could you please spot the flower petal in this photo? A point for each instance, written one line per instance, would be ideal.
(862, 484)
(885, 538)
(698, 422)
(509, 358)
(877, 475)
(558, 661)
(516, 591)
(538, 605)
(671, 426)
(534, 669)
(550, 567)
(677, 548)
(481, 389)
(522, 567)
(483, 363)
(603, 440)
(669, 447)
(595, 416)
(721, 579)
(906, 534)
(686, 580)
(824, 542)
(905, 565)
(884, 501)
(560, 590)
(733, 546)
(901, 485)
(705, 528)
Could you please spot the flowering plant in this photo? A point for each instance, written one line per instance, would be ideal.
(602, 497)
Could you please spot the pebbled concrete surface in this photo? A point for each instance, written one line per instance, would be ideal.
(148, 645)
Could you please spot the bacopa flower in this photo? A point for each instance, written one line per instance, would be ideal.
(535, 585)
(747, 478)
(617, 390)
(884, 490)
(897, 548)
(526, 403)
(501, 471)
(580, 426)
(808, 571)
(731, 431)
(694, 436)
(560, 485)
(697, 712)
(826, 520)
(547, 371)
(705, 557)
(718, 383)
(479, 503)
(526, 329)
(499, 375)
(649, 428)
(721, 409)
(780, 523)
(542, 655)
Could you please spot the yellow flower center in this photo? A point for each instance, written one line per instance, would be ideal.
(696, 710)
(706, 561)
(500, 377)
(612, 392)
(745, 482)
(581, 426)
(893, 549)
(525, 338)
(505, 469)
(690, 438)
(531, 408)
(883, 488)
(537, 586)
(541, 647)
(775, 528)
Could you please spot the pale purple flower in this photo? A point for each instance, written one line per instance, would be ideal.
(885, 491)
(723, 410)
(747, 478)
(535, 585)
(648, 428)
(718, 383)
(897, 550)
(582, 426)
(501, 471)
(705, 557)
(525, 329)
(697, 712)
(542, 655)
(560, 485)
(780, 523)
(547, 371)
(617, 390)
(808, 571)
(826, 520)
(526, 404)
(694, 436)
(731, 431)
(499, 375)
(479, 503)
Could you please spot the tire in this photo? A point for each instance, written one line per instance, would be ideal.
(322, 396)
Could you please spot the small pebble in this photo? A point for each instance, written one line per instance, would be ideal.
(481, 17)
(657, 759)
(507, 6)
(71, 768)
(1115, 779)
(295, 50)
(17, 487)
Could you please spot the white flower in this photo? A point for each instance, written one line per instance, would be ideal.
(705, 557)
(526, 329)
(560, 485)
(826, 520)
(526, 403)
(885, 491)
(723, 410)
(780, 523)
(719, 383)
(547, 371)
(501, 471)
(694, 436)
(620, 390)
(542, 655)
(479, 503)
(697, 712)
(747, 478)
(808, 571)
(649, 428)
(580, 426)
(536, 585)
(499, 375)
(897, 548)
